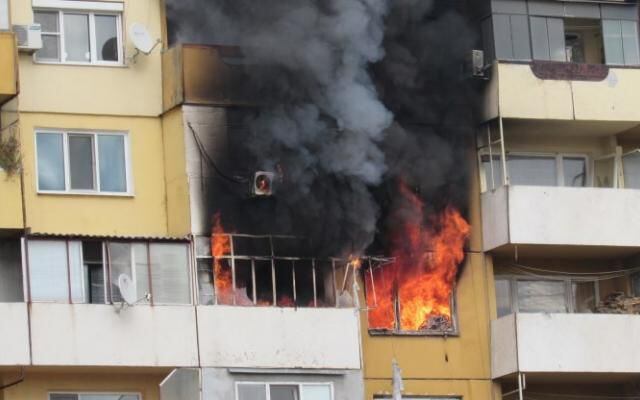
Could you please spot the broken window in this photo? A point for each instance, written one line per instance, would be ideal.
(249, 270)
(278, 391)
(407, 304)
(88, 271)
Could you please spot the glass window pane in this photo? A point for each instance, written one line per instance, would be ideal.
(107, 37)
(113, 177)
(120, 263)
(635, 280)
(76, 37)
(141, 259)
(205, 282)
(4, 14)
(50, 161)
(81, 162)
(502, 35)
(584, 297)
(557, 49)
(77, 273)
(575, 171)
(497, 172)
(252, 392)
(63, 396)
(604, 172)
(631, 166)
(50, 50)
(48, 21)
(170, 273)
(532, 170)
(284, 392)
(613, 49)
(94, 270)
(503, 297)
(108, 397)
(542, 296)
(48, 270)
(539, 38)
(630, 42)
(316, 392)
(520, 37)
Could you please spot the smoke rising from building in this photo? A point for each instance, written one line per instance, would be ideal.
(354, 94)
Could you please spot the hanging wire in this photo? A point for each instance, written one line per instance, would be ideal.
(206, 156)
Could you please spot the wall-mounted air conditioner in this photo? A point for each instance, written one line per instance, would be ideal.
(29, 37)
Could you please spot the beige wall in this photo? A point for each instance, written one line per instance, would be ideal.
(175, 165)
(134, 89)
(38, 383)
(142, 214)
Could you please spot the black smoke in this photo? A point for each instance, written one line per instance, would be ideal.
(355, 95)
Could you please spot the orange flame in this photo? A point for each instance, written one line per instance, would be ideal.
(424, 272)
(221, 246)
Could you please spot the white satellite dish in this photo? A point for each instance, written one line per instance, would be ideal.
(127, 289)
(141, 38)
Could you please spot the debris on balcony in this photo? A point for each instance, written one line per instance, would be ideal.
(619, 303)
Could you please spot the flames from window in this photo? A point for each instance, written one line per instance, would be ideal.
(415, 292)
(221, 246)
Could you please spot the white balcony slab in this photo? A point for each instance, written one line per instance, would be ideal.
(95, 335)
(565, 343)
(541, 215)
(266, 337)
(14, 334)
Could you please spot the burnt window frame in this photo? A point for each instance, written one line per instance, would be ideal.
(397, 330)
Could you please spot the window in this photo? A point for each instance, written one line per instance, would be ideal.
(246, 274)
(537, 170)
(76, 37)
(88, 271)
(94, 396)
(82, 162)
(4, 15)
(621, 42)
(547, 37)
(511, 34)
(278, 391)
(631, 168)
(552, 295)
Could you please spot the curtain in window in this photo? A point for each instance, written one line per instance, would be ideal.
(170, 273)
(542, 296)
(48, 270)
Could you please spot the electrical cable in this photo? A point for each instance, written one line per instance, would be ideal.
(205, 155)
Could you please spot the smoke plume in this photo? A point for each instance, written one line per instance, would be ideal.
(354, 95)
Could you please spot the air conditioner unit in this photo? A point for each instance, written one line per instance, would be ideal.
(29, 37)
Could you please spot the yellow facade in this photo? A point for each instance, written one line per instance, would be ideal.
(11, 210)
(8, 66)
(38, 383)
(143, 213)
(177, 184)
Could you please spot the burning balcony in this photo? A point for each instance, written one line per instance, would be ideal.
(204, 75)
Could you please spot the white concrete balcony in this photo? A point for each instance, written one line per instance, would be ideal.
(604, 219)
(14, 334)
(515, 91)
(565, 343)
(270, 337)
(95, 335)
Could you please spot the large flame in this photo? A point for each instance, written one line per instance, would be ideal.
(424, 272)
(221, 246)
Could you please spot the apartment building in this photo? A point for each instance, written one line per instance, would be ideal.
(558, 171)
(85, 205)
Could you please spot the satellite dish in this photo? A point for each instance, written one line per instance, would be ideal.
(127, 289)
(141, 38)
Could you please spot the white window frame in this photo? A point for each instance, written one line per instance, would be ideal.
(80, 394)
(96, 163)
(92, 37)
(267, 386)
(559, 156)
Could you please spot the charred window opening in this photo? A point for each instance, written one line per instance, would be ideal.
(250, 270)
(403, 305)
